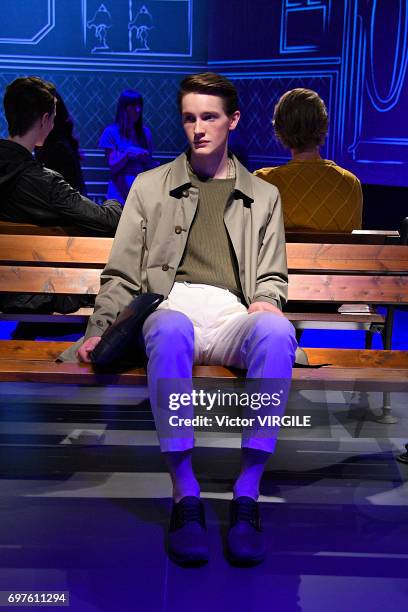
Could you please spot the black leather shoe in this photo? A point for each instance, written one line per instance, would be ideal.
(245, 541)
(187, 537)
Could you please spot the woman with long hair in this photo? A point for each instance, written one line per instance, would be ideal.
(128, 145)
(60, 150)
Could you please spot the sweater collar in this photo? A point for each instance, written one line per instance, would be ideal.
(180, 180)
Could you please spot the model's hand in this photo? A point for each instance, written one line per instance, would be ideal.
(88, 346)
(264, 307)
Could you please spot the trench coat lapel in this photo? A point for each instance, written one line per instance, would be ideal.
(180, 188)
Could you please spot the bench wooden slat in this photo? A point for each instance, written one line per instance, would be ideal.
(356, 258)
(30, 350)
(24, 279)
(57, 250)
(352, 379)
(333, 288)
(60, 250)
(358, 358)
(303, 287)
(369, 379)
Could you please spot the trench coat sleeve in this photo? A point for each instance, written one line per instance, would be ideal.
(121, 277)
(272, 270)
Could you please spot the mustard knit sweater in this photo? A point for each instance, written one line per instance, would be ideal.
(317, 194)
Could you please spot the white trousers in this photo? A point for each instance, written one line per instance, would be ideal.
(202, 324)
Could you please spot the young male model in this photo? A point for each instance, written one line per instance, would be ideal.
(209, 236)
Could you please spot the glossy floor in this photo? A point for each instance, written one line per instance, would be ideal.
(84, 503)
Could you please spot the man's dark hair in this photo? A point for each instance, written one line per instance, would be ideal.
(25, 101)
(300, 119)
(212, 84)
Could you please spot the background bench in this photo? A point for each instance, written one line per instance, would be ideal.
(376, 274)
(318, 273)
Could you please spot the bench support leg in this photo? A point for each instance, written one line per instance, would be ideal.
(369, 338)
(386, 417)
(387, 332)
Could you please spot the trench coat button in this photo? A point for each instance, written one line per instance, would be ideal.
(178, 229)
(185, 193)
(165, 267)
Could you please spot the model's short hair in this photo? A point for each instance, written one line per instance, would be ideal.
(212, 84)
(300, 119)
(25, 101)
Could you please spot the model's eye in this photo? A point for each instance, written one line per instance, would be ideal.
(188, 118)
(209, 117)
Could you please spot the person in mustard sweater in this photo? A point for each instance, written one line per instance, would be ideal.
(316, 193)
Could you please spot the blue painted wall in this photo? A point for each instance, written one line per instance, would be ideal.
(93, 49)
(353, 52)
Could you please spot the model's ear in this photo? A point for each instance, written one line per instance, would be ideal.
(234, 119)
(44, 119)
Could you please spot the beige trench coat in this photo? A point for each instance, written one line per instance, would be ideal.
(153, 232)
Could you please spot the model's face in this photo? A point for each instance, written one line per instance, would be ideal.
(206, 124)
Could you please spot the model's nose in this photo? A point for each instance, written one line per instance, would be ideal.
(198, 127)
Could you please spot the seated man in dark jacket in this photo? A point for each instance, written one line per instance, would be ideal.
(30, 193)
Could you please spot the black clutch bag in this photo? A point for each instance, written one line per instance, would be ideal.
(125, 330)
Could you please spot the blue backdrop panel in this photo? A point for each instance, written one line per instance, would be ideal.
(93, 50)
(353, 52)
(362, 44)
(24, 23)
(258, 94)
(85, 27)
(153, 27)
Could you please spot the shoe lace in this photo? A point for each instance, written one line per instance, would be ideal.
(188, 513)
(246, 512)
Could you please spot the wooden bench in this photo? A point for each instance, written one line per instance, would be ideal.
(350, 369)
(48, 264)
(367, 274)
(354, 237)
(319, 273)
